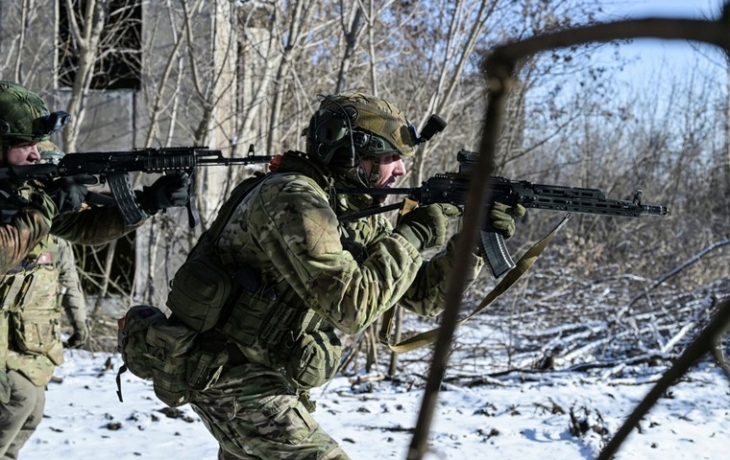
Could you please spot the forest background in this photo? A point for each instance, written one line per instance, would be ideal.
(232, 74)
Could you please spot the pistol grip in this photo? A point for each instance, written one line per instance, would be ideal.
(496, 252)
(124, 195)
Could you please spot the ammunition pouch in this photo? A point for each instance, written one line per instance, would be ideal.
(295, 336)
(200, 292)
(315, 359)
(37, 332)
(34, 316)
(167, 352)
(262, 317)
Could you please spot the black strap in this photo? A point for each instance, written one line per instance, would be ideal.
(121, 371)
(8, 193)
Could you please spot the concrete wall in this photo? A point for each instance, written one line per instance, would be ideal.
(189, 95)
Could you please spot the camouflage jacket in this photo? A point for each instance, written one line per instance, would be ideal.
(21, 232)
(287, 229)
(30, 283)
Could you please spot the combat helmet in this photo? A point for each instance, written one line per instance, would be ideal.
(349, 127)
(24, 116)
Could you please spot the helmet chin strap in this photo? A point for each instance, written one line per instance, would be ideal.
(369, 180)
(6, 153)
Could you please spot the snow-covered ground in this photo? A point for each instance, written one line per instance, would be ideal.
(521, 416)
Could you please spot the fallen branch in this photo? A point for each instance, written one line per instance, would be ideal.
(708, 341)
(696, 258)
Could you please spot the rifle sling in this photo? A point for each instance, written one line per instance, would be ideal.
(429, 337)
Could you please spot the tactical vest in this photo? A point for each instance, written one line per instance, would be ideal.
(30, 321)
(182, 354)
(235, 304)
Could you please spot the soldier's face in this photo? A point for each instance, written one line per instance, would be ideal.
(24, 154)
(391, 168)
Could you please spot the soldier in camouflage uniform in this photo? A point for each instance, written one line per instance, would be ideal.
(306, 277)
(72, 296)
(30, 345)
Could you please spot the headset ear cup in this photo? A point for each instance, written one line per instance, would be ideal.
(327, 132)
(312, 143)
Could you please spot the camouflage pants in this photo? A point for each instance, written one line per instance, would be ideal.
(21, 415)
(255, 414)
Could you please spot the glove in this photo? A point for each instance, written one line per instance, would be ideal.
(426, 226)
(79, 337)
(43, 203)
(502, 218)
(69, 192)
(166, 192)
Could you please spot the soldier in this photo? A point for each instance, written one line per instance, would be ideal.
(30, 345)
(305, 277)
(72, 296)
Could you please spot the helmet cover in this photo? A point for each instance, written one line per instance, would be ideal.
(24, 116)
(379, 119)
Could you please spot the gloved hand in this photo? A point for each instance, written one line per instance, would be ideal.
(79, 337)
(502, 217)
(166, 192)
(43, 203)
(69, 192)
(426, 226)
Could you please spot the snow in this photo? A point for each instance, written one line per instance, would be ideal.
(521, 415)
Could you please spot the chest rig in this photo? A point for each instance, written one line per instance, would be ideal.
(34, 279)
(265, 319)
(30, 321)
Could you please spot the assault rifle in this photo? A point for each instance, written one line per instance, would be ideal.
(453, 188)
(113, 168)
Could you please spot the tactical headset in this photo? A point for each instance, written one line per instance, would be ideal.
(330, 130)
(334, 127)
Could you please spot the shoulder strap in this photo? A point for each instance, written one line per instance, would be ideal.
(226, 211)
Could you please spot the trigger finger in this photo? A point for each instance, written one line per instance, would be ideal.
(518, 210)
(182, 176)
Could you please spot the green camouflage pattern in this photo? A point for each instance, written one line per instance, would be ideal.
(254, 414)
(376, 116)
(34, 331)
(19, 108)
(30, 287)
(23, 228)
(50, 152)
(287, 229)
(92, 227)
